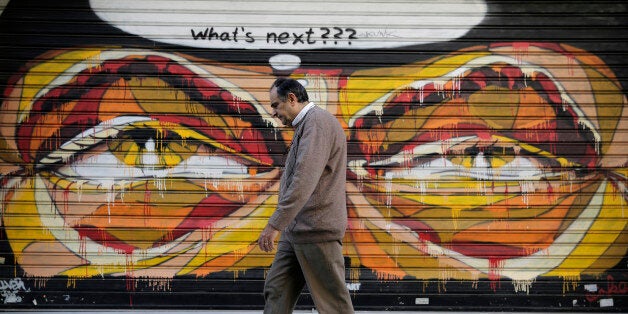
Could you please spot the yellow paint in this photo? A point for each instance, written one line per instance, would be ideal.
(21, 219)
(606, 228)
(237, 236)
(44, 73)
(444, 203)
(565, 163)
(86, 271)
(365, 86)
(185, 134)
(609, 95)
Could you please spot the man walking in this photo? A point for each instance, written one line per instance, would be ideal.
(311, 212)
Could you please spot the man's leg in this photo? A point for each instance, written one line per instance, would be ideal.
(324, 270)
(284, 281)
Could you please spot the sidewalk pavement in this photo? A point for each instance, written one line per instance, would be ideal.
(254, 312)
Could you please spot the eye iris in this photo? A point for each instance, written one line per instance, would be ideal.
(151, 148)
(494, 158)
(465, 161)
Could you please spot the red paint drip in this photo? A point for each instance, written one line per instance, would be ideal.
(66, 194)
(520, 49)
(129, 277)
(146, 202)
(495, 265)
(83, 249)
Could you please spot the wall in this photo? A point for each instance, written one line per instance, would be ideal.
(487, 150)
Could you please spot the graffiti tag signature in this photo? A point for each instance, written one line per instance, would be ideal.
(9, 290)
(611, 288)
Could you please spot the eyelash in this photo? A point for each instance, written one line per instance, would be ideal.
(89, 139)
(493, 162)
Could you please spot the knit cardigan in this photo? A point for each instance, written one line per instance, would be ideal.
(312, 201)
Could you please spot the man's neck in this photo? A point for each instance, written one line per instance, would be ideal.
(305, 107)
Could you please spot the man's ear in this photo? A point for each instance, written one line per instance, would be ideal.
(292, 98)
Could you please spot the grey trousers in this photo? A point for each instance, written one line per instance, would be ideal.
(320, 265)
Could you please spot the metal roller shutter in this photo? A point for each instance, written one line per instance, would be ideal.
(487, 150)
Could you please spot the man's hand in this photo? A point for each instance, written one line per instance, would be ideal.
(266, 239)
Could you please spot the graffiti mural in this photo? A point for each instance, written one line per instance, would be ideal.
(496, 167)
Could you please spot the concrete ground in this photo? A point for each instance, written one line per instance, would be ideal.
(252, 312)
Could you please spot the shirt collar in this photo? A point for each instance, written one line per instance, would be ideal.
(302, 113)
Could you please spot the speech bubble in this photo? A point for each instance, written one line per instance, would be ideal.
(293, 25)
(3, 5)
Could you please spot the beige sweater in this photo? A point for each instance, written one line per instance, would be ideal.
(312, 202)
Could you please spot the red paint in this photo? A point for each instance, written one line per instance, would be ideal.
(495, 265)
(66, 194)
(147, 194)
(612, 288)
(89, 86)
(425, 232)
(545, 135)
(102, 237)
(488, 250)
(210, 210)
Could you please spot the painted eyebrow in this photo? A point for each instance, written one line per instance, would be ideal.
(52, 99)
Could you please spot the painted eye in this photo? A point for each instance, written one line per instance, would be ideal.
(511, 108)
(191, 111)
(144, 115)
(459, 157)
(137, 148)
(149, 148)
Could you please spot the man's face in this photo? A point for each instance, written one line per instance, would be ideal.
(282, 109)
